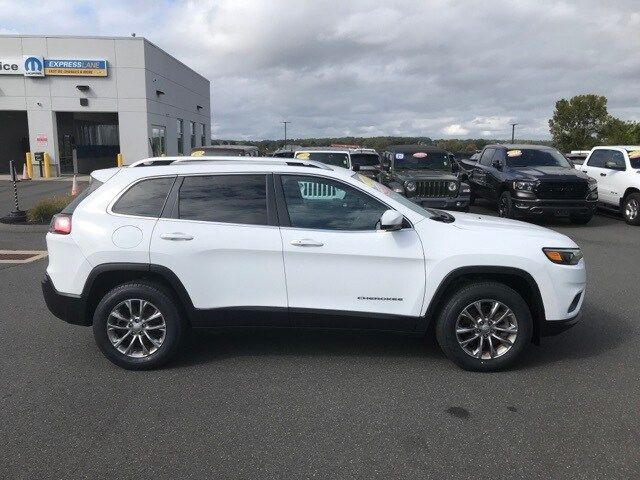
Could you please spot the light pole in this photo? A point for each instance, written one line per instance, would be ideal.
(285, 132)
(513, 131)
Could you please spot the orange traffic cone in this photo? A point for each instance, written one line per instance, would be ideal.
(74, 187)
(25, 172)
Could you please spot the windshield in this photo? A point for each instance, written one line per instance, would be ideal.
(634, 158)
(337, 159)
(365, 159)
(428, 213)
(220, 152)
(422, 161)
(529, 157)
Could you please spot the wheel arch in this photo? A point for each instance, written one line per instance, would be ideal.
(520, 280)
(107, 276)
(628, 192)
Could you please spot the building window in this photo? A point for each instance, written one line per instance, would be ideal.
(193, 134)
(180, 136)
(158, 140)
(202, 138)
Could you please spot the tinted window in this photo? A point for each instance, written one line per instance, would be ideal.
(500, 155)
(487, 155)
(338, 159)
(365, 159)
(634, 158)
(597, 158)
(616, 157)
(531, 157)
(95, 184)
(224, 198)
(422, 161)
(145, 198)
(321, 203)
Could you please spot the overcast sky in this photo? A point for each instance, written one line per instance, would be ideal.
(438, 68)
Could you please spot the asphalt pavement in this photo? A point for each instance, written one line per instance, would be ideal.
(284, 404)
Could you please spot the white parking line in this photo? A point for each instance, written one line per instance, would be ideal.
(21, 256)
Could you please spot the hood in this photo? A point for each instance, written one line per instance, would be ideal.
(488, 224)
(417, 175)
(551, 173)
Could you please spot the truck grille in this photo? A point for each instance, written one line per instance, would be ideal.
(562, 190)
(434, 188)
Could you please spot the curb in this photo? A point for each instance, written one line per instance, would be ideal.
(7, 227)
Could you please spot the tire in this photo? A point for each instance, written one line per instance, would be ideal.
(581, 219)
(503, 355)
(161, 343)
(631, 209)
(505, 206)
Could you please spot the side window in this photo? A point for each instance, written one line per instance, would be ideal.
(224, 198)
(500, 155)
(322, 203)
(145, 198)
(487, 156)
(617, 158)
(597, 158)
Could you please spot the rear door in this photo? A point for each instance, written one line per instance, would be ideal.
(340, 270)
(478, 176)
(222, 241)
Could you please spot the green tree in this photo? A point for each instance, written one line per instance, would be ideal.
(579, 122)
(619, 132)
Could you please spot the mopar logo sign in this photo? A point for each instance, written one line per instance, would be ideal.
(33, 66)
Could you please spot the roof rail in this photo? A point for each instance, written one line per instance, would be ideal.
(161, 161)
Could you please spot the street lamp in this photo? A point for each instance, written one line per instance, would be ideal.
(513, 131)
(285, 131)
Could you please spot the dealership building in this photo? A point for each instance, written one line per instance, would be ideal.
(84, 100)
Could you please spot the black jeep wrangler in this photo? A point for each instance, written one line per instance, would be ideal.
(533, 180)
(428, 176)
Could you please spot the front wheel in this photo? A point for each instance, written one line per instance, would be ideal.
(505, 205)
(631, 209)
(484, 327)
(137, 325)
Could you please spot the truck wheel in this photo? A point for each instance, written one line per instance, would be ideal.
(581, 219)
(631, 209)
(505, 205)
(137, 325)
(484, 327)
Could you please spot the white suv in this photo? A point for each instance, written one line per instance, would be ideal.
(145, 253)
(617, 170)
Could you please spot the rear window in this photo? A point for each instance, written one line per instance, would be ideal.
(634, 158)
(365, 159)
(93, 186)
(145, 198)
(224, 198)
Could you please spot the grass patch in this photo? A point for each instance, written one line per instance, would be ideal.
(47, 208)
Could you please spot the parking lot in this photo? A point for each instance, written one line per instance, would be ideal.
(284, 404)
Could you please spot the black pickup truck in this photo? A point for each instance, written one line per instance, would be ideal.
(531, 180)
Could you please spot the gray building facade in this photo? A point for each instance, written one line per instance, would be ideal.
(83, 100)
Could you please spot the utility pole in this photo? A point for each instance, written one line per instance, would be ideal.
(285, 131)
(513, 131)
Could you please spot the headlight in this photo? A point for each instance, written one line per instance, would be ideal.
(453, 186)
(563, 256)
(524, 185)
(410, 186)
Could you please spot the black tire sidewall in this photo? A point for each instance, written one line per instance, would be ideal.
(507, 197)
(445, 327)
(161, 300)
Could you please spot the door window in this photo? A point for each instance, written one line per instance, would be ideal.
(617, 158)
(597, 158)
(321, 203)
(224, 198)
(487, 156)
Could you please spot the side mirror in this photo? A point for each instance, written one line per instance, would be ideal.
(356, 168)
(613, 165)
(497, 164)
(391, 220)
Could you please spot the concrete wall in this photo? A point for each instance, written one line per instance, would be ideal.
(136, 70)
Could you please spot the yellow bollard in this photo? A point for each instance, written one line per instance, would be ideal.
(29, 162)
(47, 166)
(119, 160)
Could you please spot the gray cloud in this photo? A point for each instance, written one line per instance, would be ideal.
(440, 68)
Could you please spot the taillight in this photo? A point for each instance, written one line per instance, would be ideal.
(61, 224)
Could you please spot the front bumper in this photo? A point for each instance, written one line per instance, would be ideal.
(559, 208)
(69, 308)
(554, 327)
(460, 202)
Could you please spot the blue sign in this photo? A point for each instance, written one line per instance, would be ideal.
(33, 66)
(76, 68)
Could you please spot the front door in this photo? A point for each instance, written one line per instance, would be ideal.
(609, 184)
(222, 242)
(340, 270)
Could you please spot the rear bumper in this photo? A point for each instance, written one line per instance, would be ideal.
(69, 308)
(527, 206)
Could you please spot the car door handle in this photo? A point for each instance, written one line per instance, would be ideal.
(603, 174)
(584, 171)
(176, 236)
(306, 242)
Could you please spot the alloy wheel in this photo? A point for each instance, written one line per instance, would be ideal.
(631, 209)
(486, 329)
(136, 328)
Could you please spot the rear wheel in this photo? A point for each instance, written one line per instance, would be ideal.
(137, 326)
(505, 205)
(631, 209)
(484, 327)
